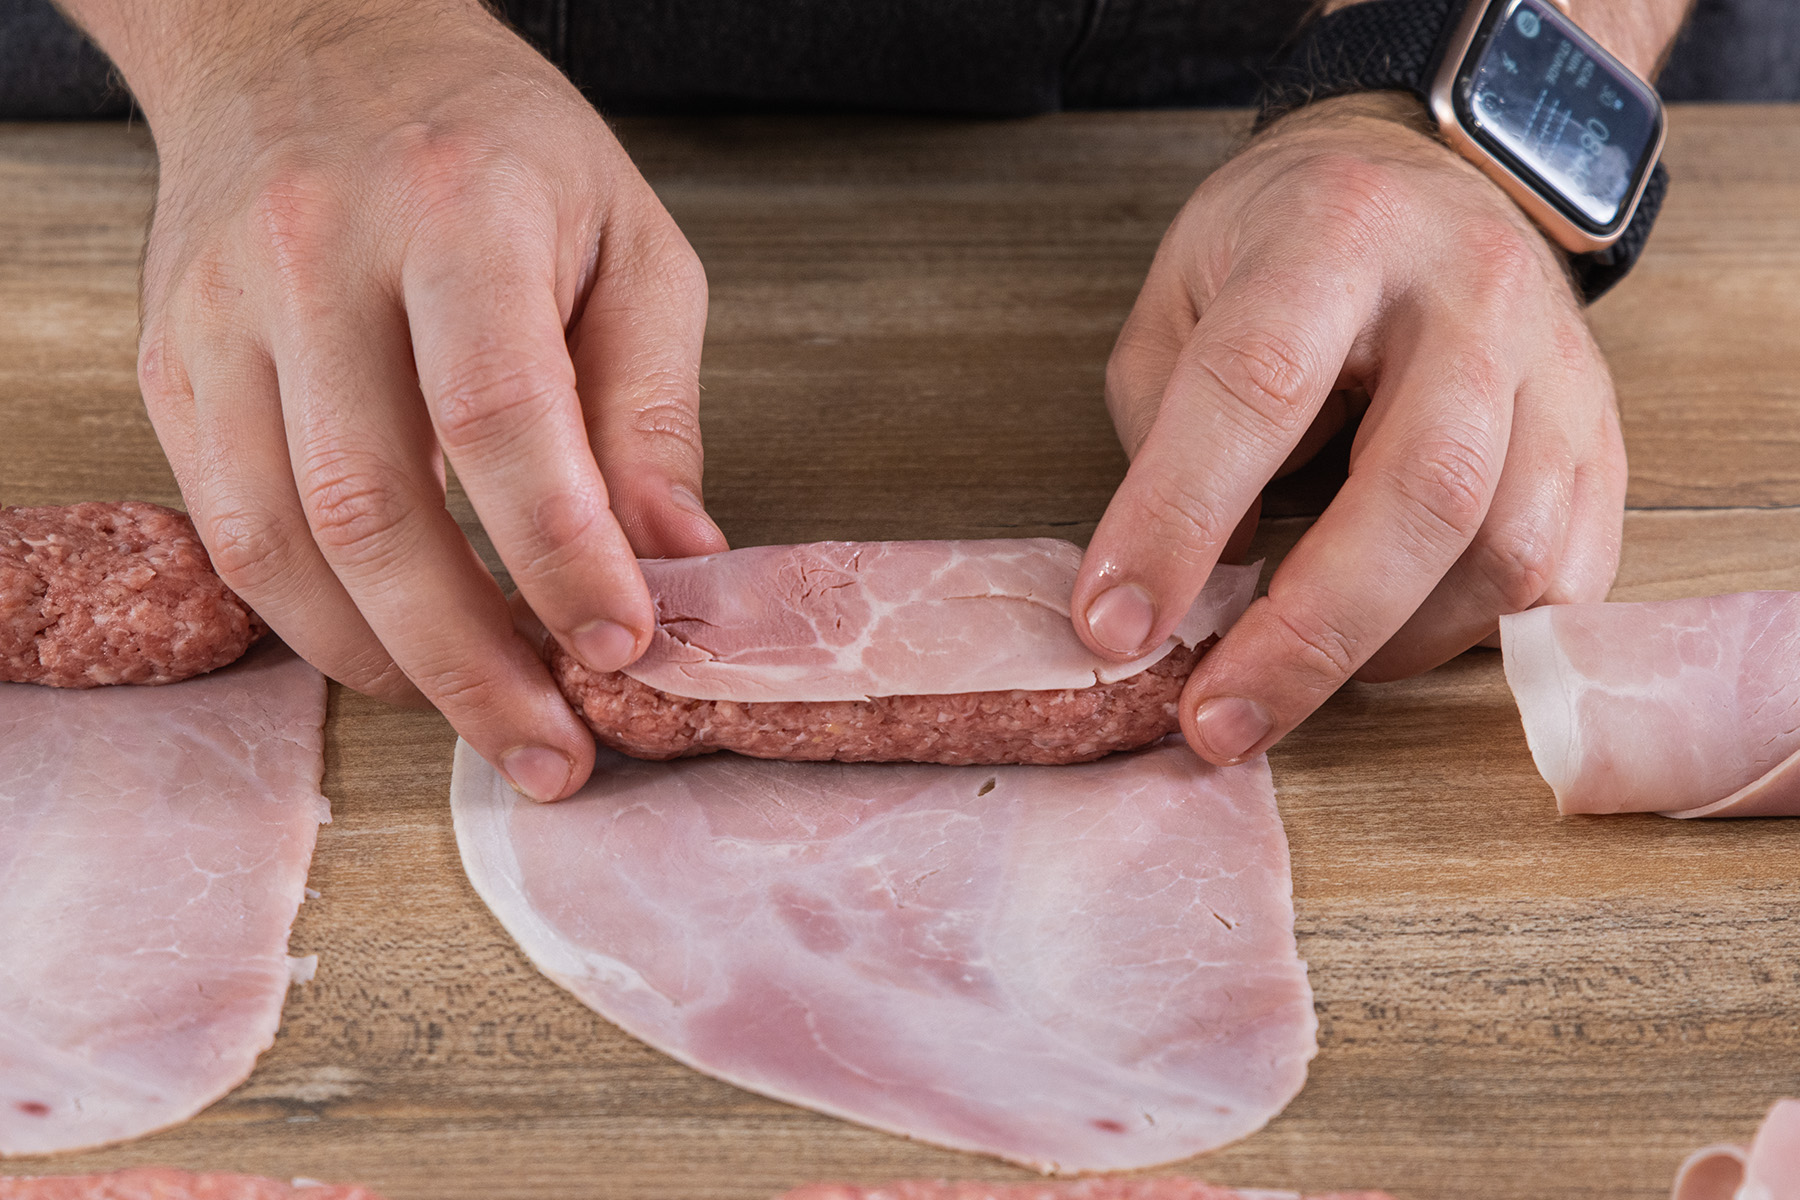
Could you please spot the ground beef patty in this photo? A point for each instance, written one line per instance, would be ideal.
(1069, 726)
(101, 593)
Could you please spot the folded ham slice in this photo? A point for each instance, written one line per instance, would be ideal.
(1080, 968)
(1690, 708)
(854, 620)
(1768, 1169)
(1085, 1189)
(166, 1183)
(942, 652)
(153, 851)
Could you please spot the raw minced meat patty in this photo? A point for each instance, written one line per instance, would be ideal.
(1047, 728)
(112, 592)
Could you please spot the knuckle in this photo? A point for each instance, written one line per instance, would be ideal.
(244, 553)
(1519, 564)
(1180, 519)
(488, 395)
(298, 215)
(461, 687)
(1266, 372)
(1355, 198)
(354, 506)
(1509, 261)
(560, 529)
(162, 379)
(666, 420)
(1445, 484)
(1327, 653)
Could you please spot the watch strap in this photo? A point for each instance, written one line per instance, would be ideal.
(1394, 45)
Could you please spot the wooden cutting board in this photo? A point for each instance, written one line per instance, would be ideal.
(909, 325)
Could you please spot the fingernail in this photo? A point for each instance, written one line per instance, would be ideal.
(1120, 618)
(603, 646)
(1230, 727)
(536, 772)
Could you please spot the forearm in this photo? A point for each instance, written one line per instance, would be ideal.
(1637, 32)
(173, 53)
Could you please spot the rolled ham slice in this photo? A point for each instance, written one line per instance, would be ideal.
(153, 852)
(1690, 708)
(1077, 968)
(856, 620)
(1767, 1169)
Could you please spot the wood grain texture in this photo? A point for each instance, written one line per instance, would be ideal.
(910, 321)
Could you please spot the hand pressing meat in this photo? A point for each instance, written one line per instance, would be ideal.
(97, 594)
(941, 652)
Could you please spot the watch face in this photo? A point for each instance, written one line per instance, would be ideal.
(1545, 99)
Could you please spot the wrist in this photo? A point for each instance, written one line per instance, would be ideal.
(184, 60)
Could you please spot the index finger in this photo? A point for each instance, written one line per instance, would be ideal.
(497, 377)
(1245, 387)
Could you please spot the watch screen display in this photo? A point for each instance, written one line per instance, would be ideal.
(1540, 93)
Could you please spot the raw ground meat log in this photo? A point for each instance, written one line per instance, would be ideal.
(1084, 1189)
(102, 593)
(165, 1183)
(940, 652)
(1073, 725)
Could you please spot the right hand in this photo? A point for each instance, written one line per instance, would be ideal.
(385, 240)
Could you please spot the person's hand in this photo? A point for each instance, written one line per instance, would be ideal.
(1346, 249)
(384, 236)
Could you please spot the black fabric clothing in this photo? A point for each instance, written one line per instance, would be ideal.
(993, 57)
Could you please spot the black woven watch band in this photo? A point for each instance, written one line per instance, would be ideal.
(1394, 45)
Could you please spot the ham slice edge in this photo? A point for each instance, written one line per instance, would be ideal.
(1059, 932)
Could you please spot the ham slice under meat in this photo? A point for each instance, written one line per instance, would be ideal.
(1690, 708)
(855, 620)
(1080, 968)
(153, 852)
(1769, 1169)
(166, 1183)
(1084, 1189)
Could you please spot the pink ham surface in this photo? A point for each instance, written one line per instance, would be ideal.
(1769, 1169)
(854, 620)
(1083, 1189)
(1081, 968)
(153, 851)
(1690, 708)
(166, 1183)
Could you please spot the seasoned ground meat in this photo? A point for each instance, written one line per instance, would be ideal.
(1069, 726)
(101, 593)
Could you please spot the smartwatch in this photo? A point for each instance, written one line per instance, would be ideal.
(1517, 88)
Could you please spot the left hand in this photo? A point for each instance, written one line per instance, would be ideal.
(1346, 248)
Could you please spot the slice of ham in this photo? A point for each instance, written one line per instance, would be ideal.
(1690, 708)
(855, 620)
(1084, 1189)
(153, 852)
(166, 1183)
(1767, 1169)
(1078, 968)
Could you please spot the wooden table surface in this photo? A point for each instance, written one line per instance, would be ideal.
(909, 324)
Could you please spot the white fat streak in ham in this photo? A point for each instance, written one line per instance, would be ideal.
(1078, 968)
(853, 620)
(1767, 1169)
(1690, 708)
(153, 848)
